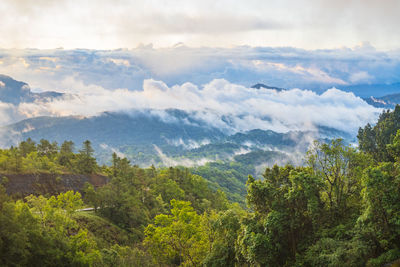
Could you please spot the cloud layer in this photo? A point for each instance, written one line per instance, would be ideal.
(221, 104)
(286, 67)
(212, 84)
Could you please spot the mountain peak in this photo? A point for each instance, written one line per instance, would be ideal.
(16, 92)
(261, 85)
(13, 91)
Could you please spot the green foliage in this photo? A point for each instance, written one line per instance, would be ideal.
(374, 140)
(229, 177)
(287, 208)
(223, 230)
(27, 147)
(45, 148)
(104, 232)
(136, 195)
(66, 155)
(340, 168)
(333, 252)
(85, 162)
(112, 235)
(382, 205)
(41, 233)
(47, 157)
(90, 196)
(341, 209)
(177, 238)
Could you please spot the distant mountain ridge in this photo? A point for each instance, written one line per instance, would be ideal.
(260, 85)
(387, 101)
(115, 128)
(16, 92)
(146, 138)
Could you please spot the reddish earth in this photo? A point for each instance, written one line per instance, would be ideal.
(45, 183)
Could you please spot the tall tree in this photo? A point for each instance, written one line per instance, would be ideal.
(66, 153)
(340, 167)
(27, 147)
(45, 148)
(16, 159)
(86, 163)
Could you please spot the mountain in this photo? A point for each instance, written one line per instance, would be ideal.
(16, 92)
(145, 137)
(135, 134)
(159, 137)
(115, 129)
(260, 85)
(387, 101)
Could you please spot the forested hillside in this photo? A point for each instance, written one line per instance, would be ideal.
(342, 208)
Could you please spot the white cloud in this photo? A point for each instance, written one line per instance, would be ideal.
(196, 80)
(311, 73)
(282, 67)
(114, 150)
(361, 76)
(168, 161)
(119, 61)
(187, 144)
(220, 104)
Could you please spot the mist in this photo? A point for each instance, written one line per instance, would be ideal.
(218, 104)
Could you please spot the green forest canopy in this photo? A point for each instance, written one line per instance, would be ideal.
(341, 209)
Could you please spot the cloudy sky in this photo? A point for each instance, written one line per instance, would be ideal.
(286, 67)
(105, 24)
(124, 55)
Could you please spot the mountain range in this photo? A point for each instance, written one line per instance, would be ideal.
(175, 138)
(147, 139)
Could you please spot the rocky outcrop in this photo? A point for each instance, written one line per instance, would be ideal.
(46, 183)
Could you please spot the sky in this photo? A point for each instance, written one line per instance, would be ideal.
(203, 57)
(105, 24)
(286, 67)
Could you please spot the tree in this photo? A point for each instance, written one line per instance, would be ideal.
(340, 168)
(287, 209)
(15, 159)
(90, 196)
(45, 148)
(40, 233)
(121, 202)
(120, 167)
(374, 140)
(222, 229)
(27, 147)
(177, 238)
(86, 163)
(381, 197)
(66, 153)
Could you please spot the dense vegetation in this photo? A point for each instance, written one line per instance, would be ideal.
(341, 209)
(47, 157)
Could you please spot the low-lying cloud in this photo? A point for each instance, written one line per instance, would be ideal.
(168, 161)
(220, 104)
(187, 144)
